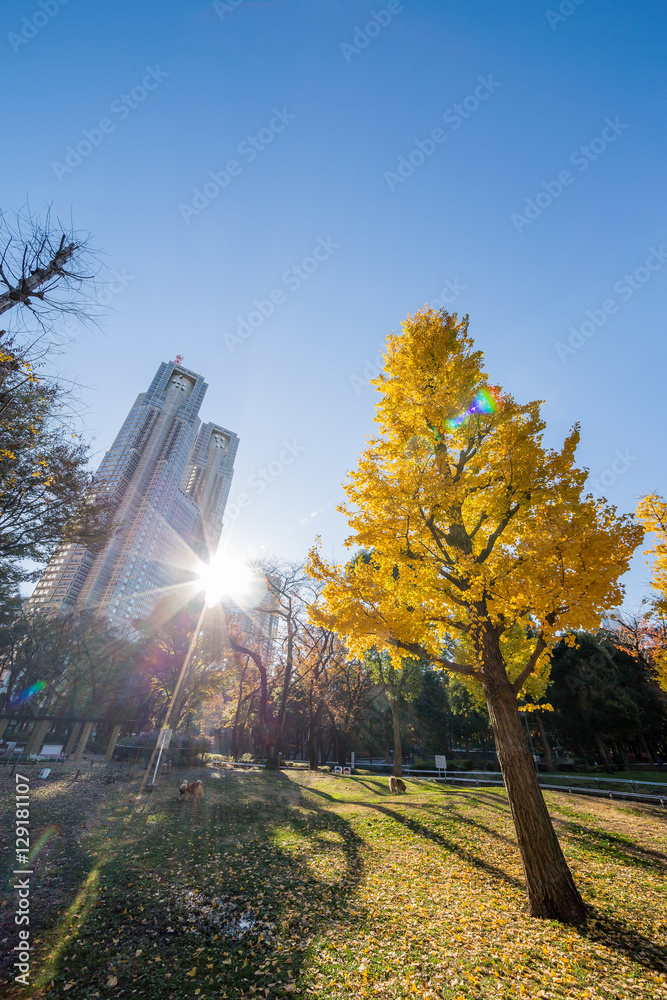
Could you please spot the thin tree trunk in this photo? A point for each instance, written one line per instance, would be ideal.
(604, 753)
(234, 747)
(548, 759)
(340, 747)
(263, 690)
(644, 745)
(274, 753)
(552, 893)
(313, 728)
(398, 747)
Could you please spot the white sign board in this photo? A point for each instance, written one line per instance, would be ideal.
(44, 773)
(440, 762)
(165, 738)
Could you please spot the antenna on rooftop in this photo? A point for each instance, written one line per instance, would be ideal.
(179, 359)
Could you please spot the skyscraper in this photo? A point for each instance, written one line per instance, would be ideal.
(167, 477)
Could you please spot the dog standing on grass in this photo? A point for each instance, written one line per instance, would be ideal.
(397, 785)
(193, 790)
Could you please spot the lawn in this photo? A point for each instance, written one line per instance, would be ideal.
(307, 885)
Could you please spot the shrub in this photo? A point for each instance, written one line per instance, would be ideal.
(422, 764)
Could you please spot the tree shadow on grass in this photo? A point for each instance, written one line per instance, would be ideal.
(61, 813)
(608, 846)
(622, 937)
(374, 788)
(494, 801)
(235, 892)
(474, 824)
(322, 795)
(419, 829)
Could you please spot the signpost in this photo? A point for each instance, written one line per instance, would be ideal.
(441, 763)
(163, 741)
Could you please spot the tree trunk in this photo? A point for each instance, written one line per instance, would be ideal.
(314, 717)
(263, 710)
(604, 753)
(548, 759)
(552, 893)
(234, 746)
(275, 752)
(644, 745)
(312, 754)
(398, 747)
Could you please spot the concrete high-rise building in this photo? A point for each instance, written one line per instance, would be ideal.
(167, 477)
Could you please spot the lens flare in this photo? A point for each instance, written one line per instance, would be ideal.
(228, 577)
(483, 402)
(28, 692)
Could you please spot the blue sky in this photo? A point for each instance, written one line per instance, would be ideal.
(561, 117)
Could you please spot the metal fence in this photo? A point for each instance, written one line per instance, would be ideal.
(609, 788)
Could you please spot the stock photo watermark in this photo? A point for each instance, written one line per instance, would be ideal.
(103, 296)
(449, 293)
(22, 885)
(292, 279)
(624, 288)
(249, 149)
(122, 107)
(622, 461)
(364, 35)
(260, 480)
(565, 10)
(31, 26)
(454, 117)
(582, 157)
(221, 8)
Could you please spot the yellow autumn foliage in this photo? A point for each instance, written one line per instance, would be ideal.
(473, 526)
(652, 512)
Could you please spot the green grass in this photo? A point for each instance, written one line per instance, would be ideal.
(306, 885)
(656, 780)
(655, 777)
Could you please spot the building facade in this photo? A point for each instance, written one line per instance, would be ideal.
(167, 478)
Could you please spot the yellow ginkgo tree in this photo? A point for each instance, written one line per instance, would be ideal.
(652, 512)
(483, 539)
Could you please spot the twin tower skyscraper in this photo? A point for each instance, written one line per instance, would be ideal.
(167, 477)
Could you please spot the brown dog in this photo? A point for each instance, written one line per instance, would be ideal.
(397, 784)
(192, 790)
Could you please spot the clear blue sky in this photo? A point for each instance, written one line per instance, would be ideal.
(326, 170)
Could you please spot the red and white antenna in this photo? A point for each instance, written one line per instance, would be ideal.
(179, 359)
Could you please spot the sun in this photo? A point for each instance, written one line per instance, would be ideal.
(228, 577)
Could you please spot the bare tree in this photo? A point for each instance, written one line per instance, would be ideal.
(44, 484)
(43, 266)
